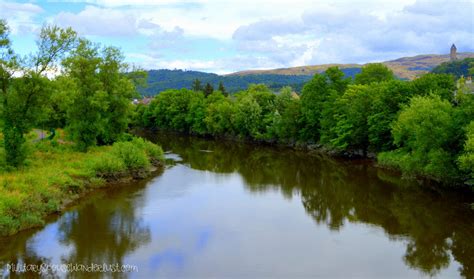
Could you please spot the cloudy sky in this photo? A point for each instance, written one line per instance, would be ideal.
(227, 36)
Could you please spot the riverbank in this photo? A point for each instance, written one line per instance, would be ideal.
(320, 149)
(55, 175)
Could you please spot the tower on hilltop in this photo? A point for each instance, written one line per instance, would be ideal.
(452, 54)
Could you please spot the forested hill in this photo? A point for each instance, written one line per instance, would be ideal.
(404, 68)
(159, 80)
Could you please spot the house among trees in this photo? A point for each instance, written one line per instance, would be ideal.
(144, 101)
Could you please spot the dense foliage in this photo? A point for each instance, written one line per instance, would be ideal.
(421, 127)
(458, 68)
(89, 94)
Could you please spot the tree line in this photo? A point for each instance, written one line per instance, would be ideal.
(69, 82)
(423, 127)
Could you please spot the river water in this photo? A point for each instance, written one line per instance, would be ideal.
(230, 210)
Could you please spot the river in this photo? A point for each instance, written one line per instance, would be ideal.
(232, 210)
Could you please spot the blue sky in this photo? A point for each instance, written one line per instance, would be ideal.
(229, 36)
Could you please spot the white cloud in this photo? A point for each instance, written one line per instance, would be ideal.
(100, 22)
(359, 34)
(270, 33)
(20, 16)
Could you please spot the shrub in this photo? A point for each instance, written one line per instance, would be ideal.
(132, 155)
(153, 151)
(107, 165)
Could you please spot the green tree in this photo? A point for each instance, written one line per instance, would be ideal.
(221, 88)
(315, 93)
(247, 116)
(23, 98)
(285, 125)
(466, 160)
(351, 129)
(337, 85)
(424, 132)
(119, 89)
(387, 99)
(84, 121)
(374, 72)
(196, 85)
(442, 85)
(219, 116)
(208, 89)
(100, 109)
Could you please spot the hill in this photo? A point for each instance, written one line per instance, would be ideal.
(296, 77)
(404, 68)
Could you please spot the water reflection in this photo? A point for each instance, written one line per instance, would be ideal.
(100, 230)
(196, 215)
(435, 225)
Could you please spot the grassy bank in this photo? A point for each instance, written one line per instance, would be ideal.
(55, 175)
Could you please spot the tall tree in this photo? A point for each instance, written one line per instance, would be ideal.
(208, 89)
(23, 98)
(315, 93)
(222, 89)
(101, 95)
(196, 85)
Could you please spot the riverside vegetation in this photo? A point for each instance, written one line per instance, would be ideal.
(423, 127)
(90, 97)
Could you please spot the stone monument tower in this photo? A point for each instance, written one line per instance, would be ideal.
(452, 54)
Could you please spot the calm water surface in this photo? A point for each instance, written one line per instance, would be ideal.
(228, 210)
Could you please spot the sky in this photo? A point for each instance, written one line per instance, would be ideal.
(229, 36)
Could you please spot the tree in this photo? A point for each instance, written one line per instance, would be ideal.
(101, 93)
(351, 113)
(218, 117)
(424, 132)
(208, 89)
(387, 99)
(221, 88)
(337, 85)
(466, 160)
(375, 72)
(119, 89)
(247, 116)
(23, 98)
(442, 85)
(197, 85)
(84, 121)
(315, 93)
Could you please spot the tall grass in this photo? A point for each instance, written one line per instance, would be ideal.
(55, 173)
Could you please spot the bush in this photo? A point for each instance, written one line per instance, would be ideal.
(108, 165)
(153, 151)
(132, 155)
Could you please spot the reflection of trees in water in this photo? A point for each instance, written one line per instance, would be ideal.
(17, 250)
(103, 231)
(434, 224)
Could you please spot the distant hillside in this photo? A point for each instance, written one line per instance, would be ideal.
(405, 68)
(296, 77)
(457, 68)
(159, 80)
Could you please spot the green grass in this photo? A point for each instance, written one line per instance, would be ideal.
(55, 173)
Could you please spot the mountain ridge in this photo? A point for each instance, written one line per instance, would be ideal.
(408, 67)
